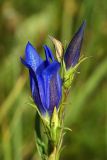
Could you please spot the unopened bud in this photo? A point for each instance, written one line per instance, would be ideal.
(58, 47)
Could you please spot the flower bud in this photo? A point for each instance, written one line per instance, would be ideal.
(58, 47)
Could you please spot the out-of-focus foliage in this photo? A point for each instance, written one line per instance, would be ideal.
(22, 21)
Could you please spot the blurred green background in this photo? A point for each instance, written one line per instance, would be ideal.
(34, 20)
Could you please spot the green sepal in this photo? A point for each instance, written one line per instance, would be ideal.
(54, 125)
(45, 121)
(41, 148)
(67, 129)
(39, 142)
(68, 75)
(44, 118)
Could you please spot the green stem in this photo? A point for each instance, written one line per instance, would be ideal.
(53, 155)
(53, 151)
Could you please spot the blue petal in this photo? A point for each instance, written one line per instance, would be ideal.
(41, 67)
(40, 80)
(48, 53)
(53, 89)
(41, 90)
(72, 53)
(32, 57)
(36, 95)
(34, 87)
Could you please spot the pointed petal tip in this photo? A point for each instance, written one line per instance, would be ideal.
(28, 46)
(45, 47)
(83, 25)
(48, 53)
(24, 62)
(28, 43)
(21, 59)
(72, 54)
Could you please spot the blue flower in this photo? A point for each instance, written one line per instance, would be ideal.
(72, 52)
(45, 81)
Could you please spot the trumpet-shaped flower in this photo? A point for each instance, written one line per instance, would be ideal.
(45, 81)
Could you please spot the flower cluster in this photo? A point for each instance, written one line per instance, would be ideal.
(45, 80)
(51, 78)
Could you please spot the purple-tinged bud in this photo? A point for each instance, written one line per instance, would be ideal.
(72, 53)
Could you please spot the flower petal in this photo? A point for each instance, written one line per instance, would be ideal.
(48, 53)
(72, 53)
(32, 57)
(52, 84)
(36, 95)
(34, 87)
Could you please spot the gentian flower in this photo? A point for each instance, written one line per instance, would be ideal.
(72, 52)
(45, 81)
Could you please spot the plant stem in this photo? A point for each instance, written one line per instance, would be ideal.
(53, 155)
